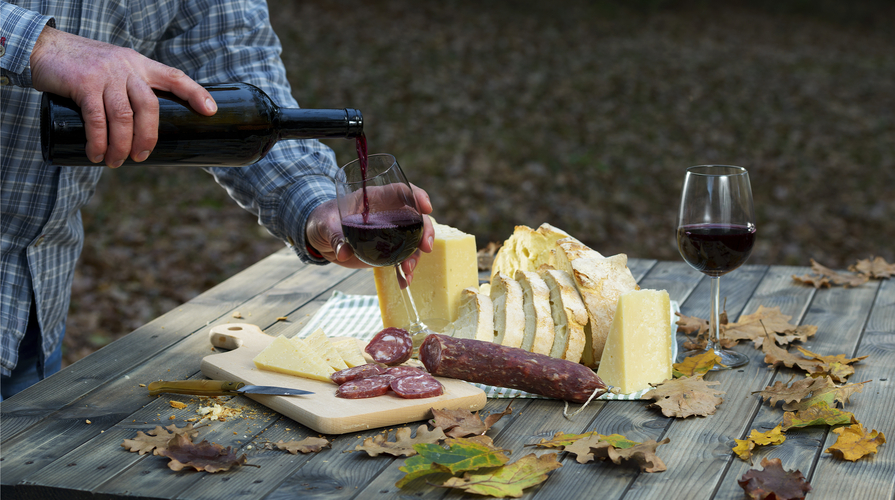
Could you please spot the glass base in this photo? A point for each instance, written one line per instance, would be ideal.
(729, 359)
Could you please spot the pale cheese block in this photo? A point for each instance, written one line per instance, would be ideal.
(320, 342)
(476, 319)
(509, 318)
(600, 281)
(350, 352)
(539, 330)
(438, 280)
(526, 249)
(638, 348)
(569, 315)
(293, 357)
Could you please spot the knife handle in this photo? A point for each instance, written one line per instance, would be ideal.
(195, 387)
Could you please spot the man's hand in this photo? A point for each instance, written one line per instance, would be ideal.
(324, 233)
(113, 86)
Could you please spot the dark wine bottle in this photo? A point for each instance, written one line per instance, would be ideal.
(244, 128)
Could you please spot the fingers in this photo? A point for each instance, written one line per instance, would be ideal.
(422, 199)
(144, 104)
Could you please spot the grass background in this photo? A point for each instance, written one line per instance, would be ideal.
(583, 114)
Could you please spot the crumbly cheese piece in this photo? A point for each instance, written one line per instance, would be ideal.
(476, 319)
(600, 281)
(320, 342)
(638, 349)
(293, 357)
(509, 318)
(438, 280)
(526, 249)
(569, 315)
(350, 352)
(539, 330)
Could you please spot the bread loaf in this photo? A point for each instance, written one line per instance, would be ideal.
(476, 319)
(527, 249)
(539, 331)
(600, 281)
(569, 315)
(509, 320)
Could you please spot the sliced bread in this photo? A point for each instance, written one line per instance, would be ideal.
(509, 319)
(569, 315)
(476, 317)
(539, 330)
(600, 281)
(526, 249)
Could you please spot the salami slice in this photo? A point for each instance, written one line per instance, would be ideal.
(391, 346)
(417, 386)
(368, 387)
(403, 371)
(493, 364)
(356, 372)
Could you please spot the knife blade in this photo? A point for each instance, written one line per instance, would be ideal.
(218, 388)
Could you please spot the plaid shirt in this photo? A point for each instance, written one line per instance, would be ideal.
(212, 41)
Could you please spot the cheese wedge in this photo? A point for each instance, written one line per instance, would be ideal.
(320, 342)
(509, 318)
(350, 352)
(526, 249)
(293, 357)
(569, 315)
(438, 280)
(539, 330)
(476, 319)
(638, 348)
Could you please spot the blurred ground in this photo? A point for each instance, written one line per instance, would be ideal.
(582, 114)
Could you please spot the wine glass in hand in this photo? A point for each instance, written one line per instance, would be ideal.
(380, 217)
(715, 234)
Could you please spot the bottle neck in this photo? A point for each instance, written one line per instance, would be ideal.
(300, 123)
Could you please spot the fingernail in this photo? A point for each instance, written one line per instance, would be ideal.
(210, 104)
(431, 242)
(412, 264)
(97, 158)
(117, 164)
(339, 249)
(142, 156)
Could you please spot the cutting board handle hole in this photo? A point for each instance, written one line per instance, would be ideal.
(235, 328)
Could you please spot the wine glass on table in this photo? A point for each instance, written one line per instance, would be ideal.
(715, 234)
(380, 218)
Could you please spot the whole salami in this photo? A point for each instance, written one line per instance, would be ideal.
(391, 346)
(368, 387)
(493, 364)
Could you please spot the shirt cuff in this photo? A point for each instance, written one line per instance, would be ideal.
(19, 30)
(295, 210)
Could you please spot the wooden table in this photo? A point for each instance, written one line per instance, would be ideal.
(62, 438)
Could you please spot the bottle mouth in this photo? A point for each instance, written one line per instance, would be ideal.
(355, 123)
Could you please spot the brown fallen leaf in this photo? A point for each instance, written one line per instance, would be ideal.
(202, 456)
(774, 482)
(595, 447)
(403, 443)
(837, 366)
(877, 268)
(798, 391)
(685, 397)
(824, 277)
(766, 324)
(157, 439)
(831, 394)
(508, 480)
(817, 414)
(462, 422)
(854, 442)
(485, 256)
(307, 445)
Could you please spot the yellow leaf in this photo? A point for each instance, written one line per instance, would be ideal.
(508, 480)
(696, 365)
(744, 447)
(854, 442)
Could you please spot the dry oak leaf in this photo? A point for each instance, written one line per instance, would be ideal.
(462, 422)
(774, 483)
(699, 364)
(877, 268)
(854, 442)
(508, 480)
(485, 256)
(744, 447)
(202, 456)
(594, 447)
(685, 397)
(307, 445)
(831, 394)
(838, 367)
(563, 439)
(157, 439)
(767, 323)
(458, 455)
(799, 390)
(776, 355)
(403, 443)
(818, 414)
(823, 273)
(690, 325)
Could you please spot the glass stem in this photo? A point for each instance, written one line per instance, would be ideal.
(417, 323)
(714, 342)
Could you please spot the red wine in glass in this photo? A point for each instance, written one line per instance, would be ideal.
(715, 249)
(383, 238)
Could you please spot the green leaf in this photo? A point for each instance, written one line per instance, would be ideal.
(819, 414)
(509, 480)
(461, 455)
(563, 439)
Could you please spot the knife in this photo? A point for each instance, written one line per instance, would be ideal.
(218, 388)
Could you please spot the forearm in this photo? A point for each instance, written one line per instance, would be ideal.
(20, 30)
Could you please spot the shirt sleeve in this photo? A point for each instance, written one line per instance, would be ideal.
(19, 30)
(233, 41)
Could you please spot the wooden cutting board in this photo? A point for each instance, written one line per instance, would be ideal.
(323, 411)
